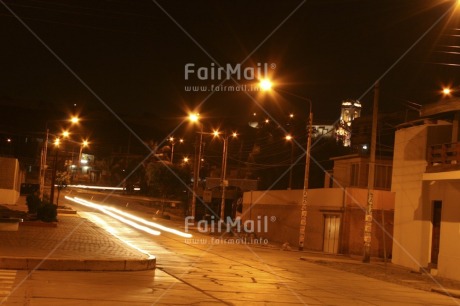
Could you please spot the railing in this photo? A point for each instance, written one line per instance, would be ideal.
(446, 155)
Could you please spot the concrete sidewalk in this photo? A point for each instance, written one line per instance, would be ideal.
(74, 244)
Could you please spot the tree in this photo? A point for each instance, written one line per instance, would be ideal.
(166, 180)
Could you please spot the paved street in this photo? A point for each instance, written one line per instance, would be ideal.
(200, 271)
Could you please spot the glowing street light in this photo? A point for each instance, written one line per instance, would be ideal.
(83, 144)
(173, 143)
(224, 182)
(290, 139)
(447, 91)
(194, 117)
(73, 120)
(267, 84)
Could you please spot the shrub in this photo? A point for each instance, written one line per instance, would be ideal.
(33, 203)
(47, 212)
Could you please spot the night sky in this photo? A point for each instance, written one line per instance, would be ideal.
(128, 57)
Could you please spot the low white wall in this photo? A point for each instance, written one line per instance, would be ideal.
(8, 196)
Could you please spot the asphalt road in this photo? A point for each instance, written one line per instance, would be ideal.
(207, 270)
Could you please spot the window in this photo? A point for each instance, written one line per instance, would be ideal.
(382, 179)
(354, 175)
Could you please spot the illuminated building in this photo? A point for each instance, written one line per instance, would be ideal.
(351, 109)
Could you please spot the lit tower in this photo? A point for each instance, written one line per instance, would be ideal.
(351, 109)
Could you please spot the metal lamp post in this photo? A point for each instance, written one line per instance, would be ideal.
(196, 164)
(173, 143)
(266, 85)
(53, 178)
(44, 153)
(224, 175)
(289, 138)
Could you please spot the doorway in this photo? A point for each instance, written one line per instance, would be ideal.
(331, 233)
(436, 232)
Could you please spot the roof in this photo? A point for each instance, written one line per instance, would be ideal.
(441, 107)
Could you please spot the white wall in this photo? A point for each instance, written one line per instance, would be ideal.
(413, 208)
(9, 180)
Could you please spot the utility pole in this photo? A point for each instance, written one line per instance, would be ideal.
(224, 178)
(370, 182)
(196, 172)
(304, 206)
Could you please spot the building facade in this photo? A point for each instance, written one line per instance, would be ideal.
(426, 180)
(336, 213)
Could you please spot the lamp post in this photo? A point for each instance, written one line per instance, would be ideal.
(53, 178)
(196, 165)
(266, 85)
(224, 173)
(290, 139)
(84, 143)
(173, 143)
(44, 153)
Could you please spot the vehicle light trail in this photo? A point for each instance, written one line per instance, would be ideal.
(113, 215)
(119, 215)
(114, 232)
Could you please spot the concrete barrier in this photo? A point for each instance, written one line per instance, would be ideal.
(9, 224)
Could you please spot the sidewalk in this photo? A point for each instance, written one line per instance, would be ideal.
(387, 272)
(74, 244)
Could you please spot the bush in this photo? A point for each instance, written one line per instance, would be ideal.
(47, 212)
(33, 203)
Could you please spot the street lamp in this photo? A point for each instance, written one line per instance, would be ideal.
(57, 142)
(290, 139)
(83, 144)
(73, 120)
(194, 117)
(266, 85)
(173, 143)
(224, 182)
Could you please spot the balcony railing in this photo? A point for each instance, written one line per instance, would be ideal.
(444, 157)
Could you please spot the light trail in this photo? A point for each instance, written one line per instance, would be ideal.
(114, 232)
(152, 224)
(113, 215)
(119, 215)
(101, 187)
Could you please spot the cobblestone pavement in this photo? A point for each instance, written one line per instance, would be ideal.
(74, 237)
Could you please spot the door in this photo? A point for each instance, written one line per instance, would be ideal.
(331, 233)
(436, 231)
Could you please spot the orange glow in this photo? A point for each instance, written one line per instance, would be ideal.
(194, 117)
(74, 119)
(446, 91)
(265, 84)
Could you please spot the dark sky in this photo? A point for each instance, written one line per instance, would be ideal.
(130, 54)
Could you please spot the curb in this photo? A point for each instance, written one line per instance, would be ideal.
(447, 292)
(15, 263)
